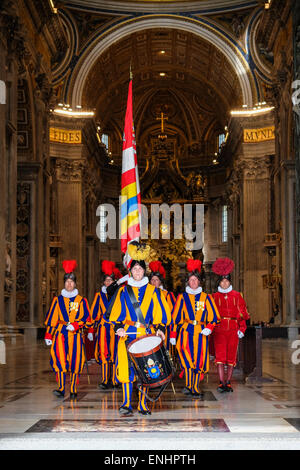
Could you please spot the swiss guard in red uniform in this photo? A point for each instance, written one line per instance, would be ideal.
(106, 340)
(156, 279)
(233, 311)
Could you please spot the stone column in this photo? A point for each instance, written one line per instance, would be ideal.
(289, 251)
(296, 119)
(69, 214)
(11, 184)
(3, 99)
(255, 216)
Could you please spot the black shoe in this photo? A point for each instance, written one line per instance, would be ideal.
(58, 393)
(222, 388)
(144, 412)
(197, 394)
(73, 395)
(103, 386)
(228, 387)
(187, 391)
(125, 411)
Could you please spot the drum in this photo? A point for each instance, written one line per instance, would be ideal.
(151, 361)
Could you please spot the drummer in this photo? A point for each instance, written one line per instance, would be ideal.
(156, 278)
(130, 324)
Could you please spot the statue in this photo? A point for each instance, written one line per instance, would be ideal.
(8, 283)
(196, 184)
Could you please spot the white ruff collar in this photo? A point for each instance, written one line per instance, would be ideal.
(68, 294)
(224, 291)
(103, 289)
(188, 290)
(141, 283)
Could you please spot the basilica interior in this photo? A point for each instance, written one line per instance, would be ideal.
(216, 122)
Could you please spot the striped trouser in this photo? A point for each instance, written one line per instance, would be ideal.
(127, 393)
(61, 379)
(108, 372)
(192, 380)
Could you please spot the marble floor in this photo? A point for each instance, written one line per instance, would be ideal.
(257, 415)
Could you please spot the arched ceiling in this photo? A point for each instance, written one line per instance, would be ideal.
(159, 6)
(196, 93)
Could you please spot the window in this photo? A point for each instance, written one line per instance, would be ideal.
(104, 140)
(221, 140)
(224, 224)
(103, 223)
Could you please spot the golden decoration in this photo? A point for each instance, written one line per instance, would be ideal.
(139, 253)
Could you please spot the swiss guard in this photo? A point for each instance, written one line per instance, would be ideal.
(106, 341)
(233, 312)
(156, 278)
(68, 315)
(139, 309)
(195, 316)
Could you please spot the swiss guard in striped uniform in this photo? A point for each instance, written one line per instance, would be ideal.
(68, 314)
(195, 316)
(156, 278)
(106, 340)
(156, 316)
(233, 312)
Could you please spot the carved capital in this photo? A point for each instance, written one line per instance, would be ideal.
(69, 171)
(255, 168)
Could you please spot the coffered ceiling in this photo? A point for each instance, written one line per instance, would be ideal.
(174, 72)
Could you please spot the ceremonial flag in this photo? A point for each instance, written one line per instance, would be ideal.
(130, 187)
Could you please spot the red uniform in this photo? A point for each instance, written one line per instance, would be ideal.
(233, 311)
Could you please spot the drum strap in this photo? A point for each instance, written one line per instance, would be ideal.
(136, 306)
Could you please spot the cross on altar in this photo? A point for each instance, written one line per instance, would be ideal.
(162, 118)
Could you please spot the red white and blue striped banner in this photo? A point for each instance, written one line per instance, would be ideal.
(130, 187)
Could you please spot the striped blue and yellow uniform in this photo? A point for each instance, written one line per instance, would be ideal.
(106, 340)
(191, 314)
(171, 300)
(67, 349)
(156, 313)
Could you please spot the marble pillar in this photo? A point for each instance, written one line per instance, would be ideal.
(289, 251)
(255, 213)
(69, 214)
(11, 185)
(2, 177)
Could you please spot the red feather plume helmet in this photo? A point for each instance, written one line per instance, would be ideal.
(109, 269)
(157, 269)
(69, 266)
(117, 273)
(223, 267)
(193, 267)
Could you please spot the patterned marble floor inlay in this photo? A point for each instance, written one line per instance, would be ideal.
(294, 422)
(281, 395)
(28, 405)
(132, 424)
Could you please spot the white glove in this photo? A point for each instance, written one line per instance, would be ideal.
(48, 342)
(121, 332)
(70, 328)
(173, 341)
(206, 332)
(90, 336)
(240, 334)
